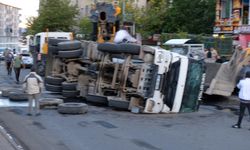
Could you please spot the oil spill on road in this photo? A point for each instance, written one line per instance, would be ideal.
(105, 124)
(16, 111)
(83, 123)
(144, 144)
(39, 125)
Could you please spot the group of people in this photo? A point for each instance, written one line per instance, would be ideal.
(13, 62)
(32, 83)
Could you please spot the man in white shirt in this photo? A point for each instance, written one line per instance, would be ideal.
(244, 95)
(33, 87)
(122, 36)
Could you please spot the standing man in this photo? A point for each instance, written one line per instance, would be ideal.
(8, 60)
(244, 95)
(33, 86)
(17, 63)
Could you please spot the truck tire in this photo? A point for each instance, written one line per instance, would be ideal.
(70, 54)
(53, 49)
(5, 92)
(49, 102)
(54, 80)
(129, 48)
(71, 86)
(72, 108)
(67, 93)
(107, 47)
(18, 96)
(53, 88)
(97, 99)
(54, 42)
(69, 45)
(120, 104)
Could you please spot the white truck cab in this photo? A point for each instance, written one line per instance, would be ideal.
(40, 39)
(39, 47)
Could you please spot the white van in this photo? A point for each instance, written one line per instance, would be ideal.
(40, 39)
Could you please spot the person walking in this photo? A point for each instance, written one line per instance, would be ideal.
(17, 63)
(244, 96)
(8, 60)
(33, 87)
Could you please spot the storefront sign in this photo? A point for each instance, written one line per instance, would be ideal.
(244, 29)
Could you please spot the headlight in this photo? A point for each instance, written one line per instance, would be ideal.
(158, 82)
(159, 57)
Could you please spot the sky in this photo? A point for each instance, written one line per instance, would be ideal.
(28, 8)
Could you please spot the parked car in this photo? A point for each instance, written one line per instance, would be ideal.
(27, 60)
(1, 53)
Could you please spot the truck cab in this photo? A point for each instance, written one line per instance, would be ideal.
(39, 47)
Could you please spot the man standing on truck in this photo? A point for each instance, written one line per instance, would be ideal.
(122, 36)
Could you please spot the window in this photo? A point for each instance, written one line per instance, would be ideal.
(226, 8)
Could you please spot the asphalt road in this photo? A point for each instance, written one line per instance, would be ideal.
(103, 128)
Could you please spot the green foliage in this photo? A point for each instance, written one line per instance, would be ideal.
(180, 16)
(152, 19)
(56, 15)
(85, 26)
(192, 16)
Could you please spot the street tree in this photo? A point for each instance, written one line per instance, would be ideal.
(85, 26)
(191, 16)
(56, 15)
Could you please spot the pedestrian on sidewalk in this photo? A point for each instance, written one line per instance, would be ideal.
(17, 63)
(8, 61)
(33, 87)
(244, 96)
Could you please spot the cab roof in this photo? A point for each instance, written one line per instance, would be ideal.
(180, 42)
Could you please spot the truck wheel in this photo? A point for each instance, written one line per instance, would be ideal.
(70, 54)
(53, 49)
(54, 42)
(120, 104)
(5, 92)
(67, 93)
(97, 99)
(72, 108)
(54, 80)
(107, 47)
(40, 69)
(50, 102)
(71, 86)
(53, 88)
(69, 45)
(129, 48)
(18, 96)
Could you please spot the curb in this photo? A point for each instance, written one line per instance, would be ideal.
(10, 139)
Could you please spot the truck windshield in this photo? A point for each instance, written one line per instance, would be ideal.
(179, 50)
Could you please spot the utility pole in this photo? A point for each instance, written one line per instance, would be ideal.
(123, 11)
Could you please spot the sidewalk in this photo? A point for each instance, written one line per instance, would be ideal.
(6, 141)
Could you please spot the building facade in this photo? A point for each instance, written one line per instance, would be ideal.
(85, 5)
(233, 19)
(9, 22)
(230, 15)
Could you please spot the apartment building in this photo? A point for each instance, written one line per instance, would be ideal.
(9, 30)
(85, 5)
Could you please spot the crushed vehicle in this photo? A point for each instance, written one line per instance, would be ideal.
(139, 78)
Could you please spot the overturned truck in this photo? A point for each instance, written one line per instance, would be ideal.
(142, 79)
